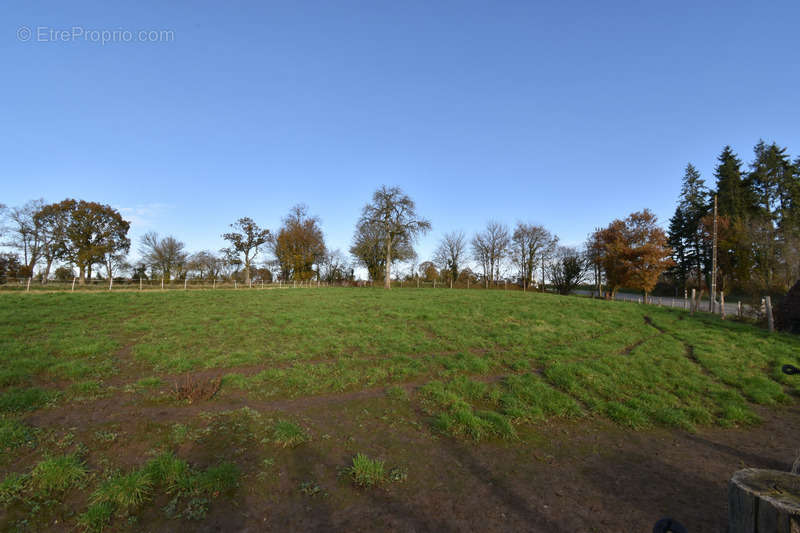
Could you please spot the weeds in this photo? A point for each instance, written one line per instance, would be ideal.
(288, 434)
(191, 490)
(124, 492)
(366, 472)
(57, 474)
(193, 390)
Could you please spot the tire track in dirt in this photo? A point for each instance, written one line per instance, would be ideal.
(631, 347)
(688, 349)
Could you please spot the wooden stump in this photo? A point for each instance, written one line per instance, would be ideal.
(764, 500)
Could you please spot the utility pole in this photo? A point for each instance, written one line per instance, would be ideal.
(714, 261)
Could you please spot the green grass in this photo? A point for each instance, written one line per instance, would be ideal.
(14, 434)
(472, 365)
(191, 490)
(598, 356)
(124, 491)
(288, 434)
(57, 474)
(24, 399)
(11, 488)
(366, 472)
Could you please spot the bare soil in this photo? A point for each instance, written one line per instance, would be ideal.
(588, 475)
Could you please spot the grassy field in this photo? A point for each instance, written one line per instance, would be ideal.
(143, 410)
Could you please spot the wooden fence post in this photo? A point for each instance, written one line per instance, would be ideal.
(691, 302)
(140, 283)
(162, 283)
(739, 309)
(110, 282)
(722, 304)
(28, 289)
(73, 284)
(770, 319)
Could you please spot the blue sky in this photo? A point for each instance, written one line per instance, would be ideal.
(567, 114)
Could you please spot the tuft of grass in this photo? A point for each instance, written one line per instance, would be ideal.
(24, 399)
(396, 392)
(96, 517)
(288, 434)
(366, 472)
(124, 491)
(455, 416)
(168, 471)
(179, 433)
(57, 474)
(216, 480)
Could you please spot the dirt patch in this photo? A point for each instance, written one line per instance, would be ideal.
(559, 477)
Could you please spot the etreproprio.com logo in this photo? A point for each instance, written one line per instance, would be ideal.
(47, 34)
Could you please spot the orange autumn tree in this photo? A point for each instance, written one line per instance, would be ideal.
(299, 245)
(632, 252)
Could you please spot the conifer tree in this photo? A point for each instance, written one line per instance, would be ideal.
(686, 235)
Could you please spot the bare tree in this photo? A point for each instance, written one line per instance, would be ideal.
(247, 241)
(334, 267)
(450, 254)
(369, 251)
(205, 264)
(393, 214)
(165, 256)
(568, 269)
(490, 249)
(24, 233)
(530, 243)
(116, 263)
(52, 221)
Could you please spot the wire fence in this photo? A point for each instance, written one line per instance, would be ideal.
(733, 309)
(75, 284)
(738, 308)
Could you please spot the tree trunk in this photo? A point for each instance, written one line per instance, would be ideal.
(387, 280)
(82, 275)
(47, 267)
(764, 500)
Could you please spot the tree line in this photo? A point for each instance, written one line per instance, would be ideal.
(758, 227)
(88, 240)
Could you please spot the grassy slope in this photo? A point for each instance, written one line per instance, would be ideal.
(478, 364)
